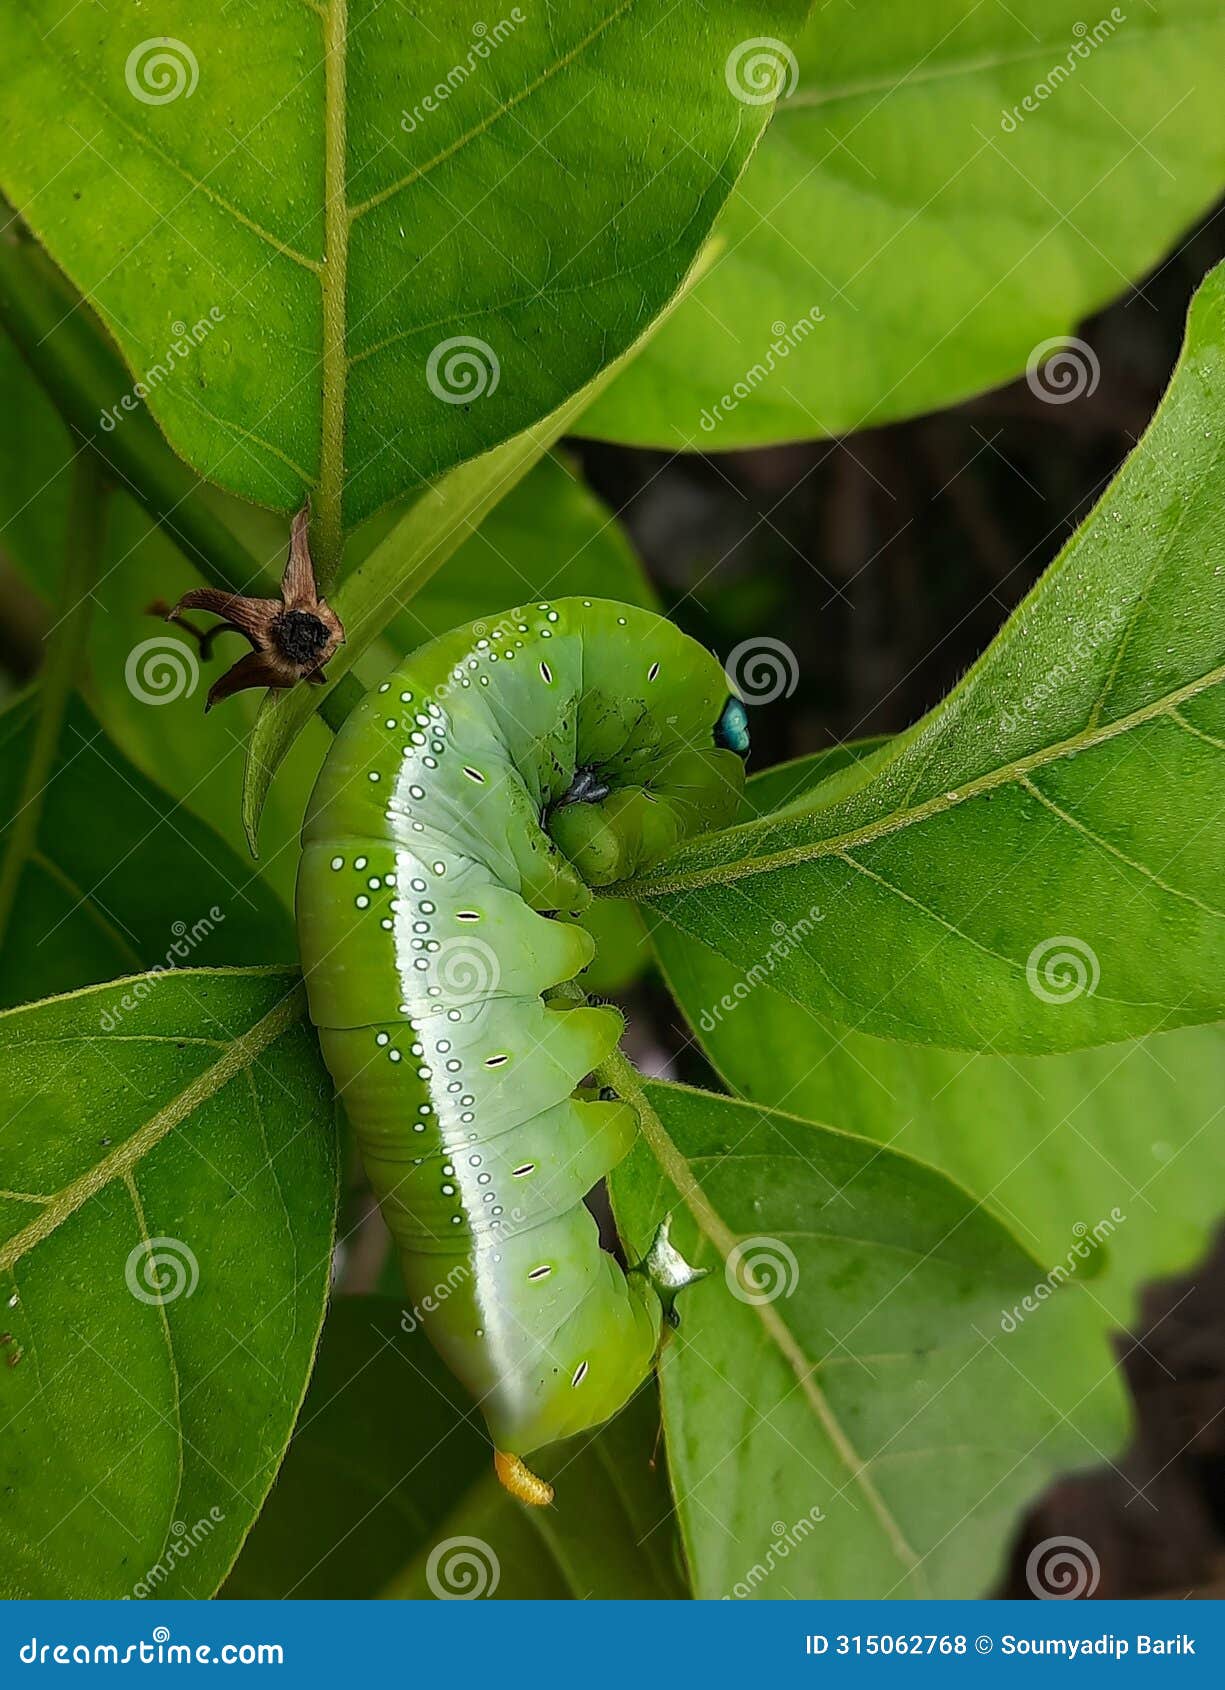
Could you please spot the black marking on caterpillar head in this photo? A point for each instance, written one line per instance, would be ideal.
(587, 787)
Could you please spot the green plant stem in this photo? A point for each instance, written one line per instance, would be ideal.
(340, 701)
(65, 653)
(85, 379)
(328, 526)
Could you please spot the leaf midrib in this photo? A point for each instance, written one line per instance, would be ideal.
(674, 1165)
(239, 1054)
(658, 886)
(893, 82)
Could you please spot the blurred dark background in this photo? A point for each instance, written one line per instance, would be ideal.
(887, 561)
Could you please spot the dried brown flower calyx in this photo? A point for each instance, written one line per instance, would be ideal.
(291, 637)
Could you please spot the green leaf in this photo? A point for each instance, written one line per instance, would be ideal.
(165, 1258)
(942, 239)
(825, 1400)
(550, 536)
(113, 875)
(1004, 875)
(1054, 1146)
(390, 1461)
(268, 193)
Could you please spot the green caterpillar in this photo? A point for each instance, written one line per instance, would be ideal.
(463, 813)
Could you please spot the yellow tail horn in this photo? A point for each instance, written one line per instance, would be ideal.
(520, 1481)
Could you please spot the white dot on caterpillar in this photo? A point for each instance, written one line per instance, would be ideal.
(382, 1038)
(359, 863)
(467, 1102)
(406, 698)
(338, 862)
(457, 1220)
(621, 621)
(374, 883)
(488, 1198)
(467, 1118)
(394, 1055)
(580, 1373)
(453, 1066)
(373, 775)
(423, 1109)
(390, 722)
(417, 885)
(386, 687)
(448, 1191)
(425, 1073)
(553, 616)
(416, 792)
(440, 868)
(389, 879)
(444, 1045)
(426, 908)
(455, 1085)
(483, 1179)
(387, 924)
(454, 1015)
(418, 1050)
(363, 903)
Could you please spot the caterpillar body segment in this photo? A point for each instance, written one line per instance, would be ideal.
(457, 825)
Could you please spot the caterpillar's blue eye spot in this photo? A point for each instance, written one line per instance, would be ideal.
(732, 728)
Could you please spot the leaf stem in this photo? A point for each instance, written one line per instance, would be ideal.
(328, 528)
(65, 652)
